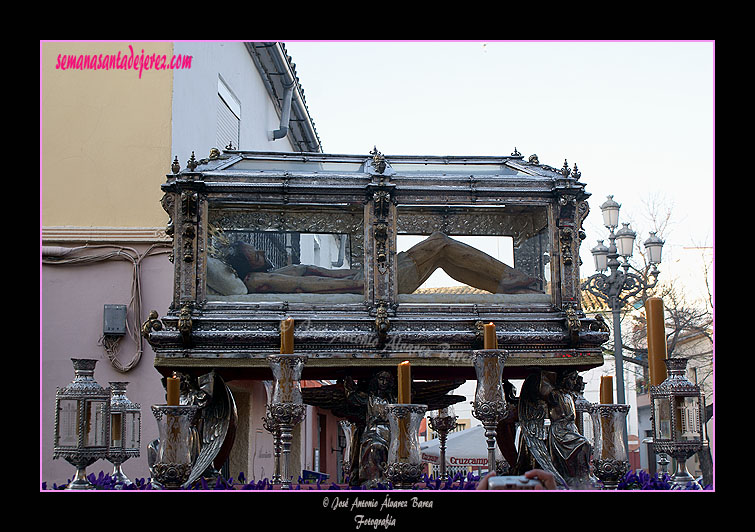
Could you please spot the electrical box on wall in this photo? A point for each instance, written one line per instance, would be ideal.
(114, 320)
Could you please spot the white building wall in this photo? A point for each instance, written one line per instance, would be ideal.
(195, 93)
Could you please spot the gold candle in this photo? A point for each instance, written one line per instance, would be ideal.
(606, 424)
(173, 387)
(404, 397)
(287, 336)
(606, 390)
(405, 382)
(656, 340)
(491, 342)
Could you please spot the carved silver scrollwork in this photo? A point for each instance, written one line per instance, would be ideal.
(192, 163)
(565, 236)
(189, 204)
(610, 471)
(382, 200)
(381, 246)
(378, 161)
(479, 333)
(572, 324)
(382, 323)
(188, 242)
(583, 209)
(489, 411)
(403, 474)
(168, 204)
(189, 209)
(287, 413)
(599, 325)
(565, 171)
(152, 323)
(185, 324)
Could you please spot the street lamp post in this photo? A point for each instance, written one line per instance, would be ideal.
(619, 285)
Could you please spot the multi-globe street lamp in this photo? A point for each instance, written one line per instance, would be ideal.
(617, 286)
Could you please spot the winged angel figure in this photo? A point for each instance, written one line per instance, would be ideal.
(534, 451)
(363, 404)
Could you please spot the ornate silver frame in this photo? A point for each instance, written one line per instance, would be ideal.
(234, 338)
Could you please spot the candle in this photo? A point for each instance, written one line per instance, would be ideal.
(607, 427)
(606, 390)
(173, 387)
(287, 336)
(656, 340)
(404, 397)
(405, 382)
(490, 339)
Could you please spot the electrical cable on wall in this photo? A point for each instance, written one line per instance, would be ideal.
(70, 256)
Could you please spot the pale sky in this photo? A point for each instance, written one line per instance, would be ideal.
(636, 117)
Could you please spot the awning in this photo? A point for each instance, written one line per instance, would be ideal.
(463, 448)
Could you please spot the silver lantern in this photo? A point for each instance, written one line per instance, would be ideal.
(125, 431)
(677, 406)
(82, 422)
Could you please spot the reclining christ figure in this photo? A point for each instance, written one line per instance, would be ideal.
(462, 262)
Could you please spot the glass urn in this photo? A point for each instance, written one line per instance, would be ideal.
(404, 467)
(610, 455)
(173, 464)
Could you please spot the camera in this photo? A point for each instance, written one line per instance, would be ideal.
(513, 483)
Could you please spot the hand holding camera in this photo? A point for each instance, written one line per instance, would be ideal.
(535, 479)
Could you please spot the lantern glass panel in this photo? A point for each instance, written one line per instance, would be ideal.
(94, 430)
(654, 252)
(585, 424)
(116, 429)
(609, 443)
(68, 427)
(662, 419)
(611, 216)
(688, 418)
(601, 261)
(131, 430)
(625, 244)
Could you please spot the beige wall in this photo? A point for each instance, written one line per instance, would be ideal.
(106, 137)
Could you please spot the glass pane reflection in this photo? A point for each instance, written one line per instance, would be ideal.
(244, 262)
(68, 423)
(438, 267)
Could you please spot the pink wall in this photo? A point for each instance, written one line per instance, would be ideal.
(71, 318)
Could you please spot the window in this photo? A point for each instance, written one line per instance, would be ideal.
(228, 117)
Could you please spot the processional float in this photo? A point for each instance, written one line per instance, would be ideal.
(341, 245)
